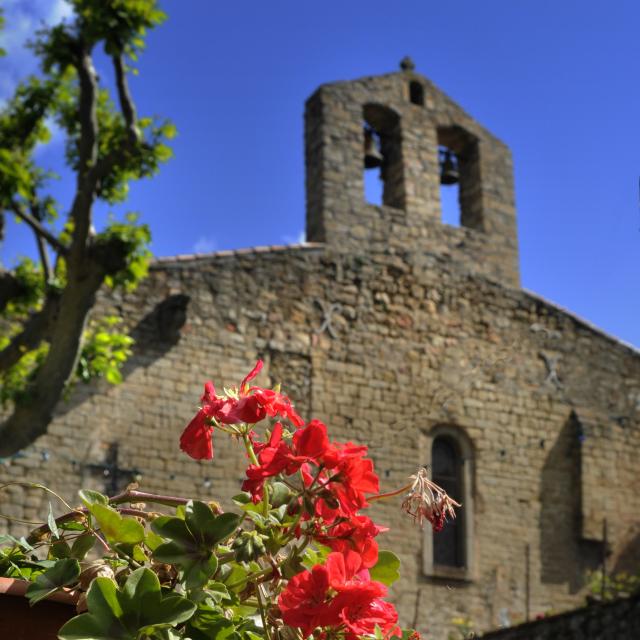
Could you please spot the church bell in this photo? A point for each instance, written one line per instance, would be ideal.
(372, 155)
(449, 173)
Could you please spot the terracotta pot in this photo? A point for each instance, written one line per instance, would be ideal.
(19, 621)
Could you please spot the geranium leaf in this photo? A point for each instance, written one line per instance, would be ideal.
(170, 610)
(90, 497)
(51, 521)
(115, 527)
(82, 545)
(62, 573)
(173, 528)
(221, 527)
(198, 517)
(141, 589)
(88, 627)
(386, 569)
(102, 601)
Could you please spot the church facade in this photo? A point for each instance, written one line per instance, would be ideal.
(400, 332)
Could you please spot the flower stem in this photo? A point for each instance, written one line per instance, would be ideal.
(254, 460)
(390, 494)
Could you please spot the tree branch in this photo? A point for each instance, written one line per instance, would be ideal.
(127, 107)
(88, 153)
(34, 410)
(38, 228)
(42, 247)
(126, 103)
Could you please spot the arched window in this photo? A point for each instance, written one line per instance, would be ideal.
(416, 93)
(449, 553)
(446, 465)
(383, 157)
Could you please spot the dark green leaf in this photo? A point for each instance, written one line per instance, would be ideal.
(88, 627)
(62, 573)
(173, 528)
(82, 545)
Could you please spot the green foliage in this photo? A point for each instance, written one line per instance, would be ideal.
(61, 574)
(116, 528)
(138, 609)
(120, 24)
(617, 585)
(135, 237)
(192, 541)
(387, 569)
(104, 351)
(22, 126)
(463, 629)
(128, 148)
(14, 381)
(32, 290)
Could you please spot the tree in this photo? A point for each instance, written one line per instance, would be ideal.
(48, 338)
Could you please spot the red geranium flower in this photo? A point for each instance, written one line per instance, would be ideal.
(338, 593)
(305, 601)
(196, 438)
(354, 534)
(244, 405)
(350, 477)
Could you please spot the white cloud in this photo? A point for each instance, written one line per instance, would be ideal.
(299, 238)
(22, 21)
(204, 245)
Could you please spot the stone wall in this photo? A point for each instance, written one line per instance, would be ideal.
(618, 620)
(419, 343)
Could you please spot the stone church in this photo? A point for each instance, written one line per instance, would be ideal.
(401, 332)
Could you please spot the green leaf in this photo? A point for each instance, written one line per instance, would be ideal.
(170, 610)
(153, 540)
(115, 527)
(90, 497)
(171, 553)
(386, 569)
(222, 527)
(199, 518)
(236, 579)
(173, 528)
(138, 608)
(82, 545)
(87, 627)
(62, 573)
(102, 601)
(51, 521)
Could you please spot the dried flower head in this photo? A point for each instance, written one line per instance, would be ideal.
(426, 499)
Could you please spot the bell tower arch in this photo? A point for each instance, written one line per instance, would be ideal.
(403, 126)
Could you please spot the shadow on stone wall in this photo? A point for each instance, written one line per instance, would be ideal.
(155, 334)
(560, 510)
(628, 560)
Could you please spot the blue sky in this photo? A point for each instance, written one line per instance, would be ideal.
(557, 81)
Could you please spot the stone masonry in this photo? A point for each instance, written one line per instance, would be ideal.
(392, 328)
(617, 620)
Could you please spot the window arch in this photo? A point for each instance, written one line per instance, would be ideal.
(449, 553)
(446, 471)
(382, 126)
(416, 93)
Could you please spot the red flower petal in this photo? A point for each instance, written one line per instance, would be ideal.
(196, 438)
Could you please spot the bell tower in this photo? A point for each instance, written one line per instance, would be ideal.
(418, 139)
